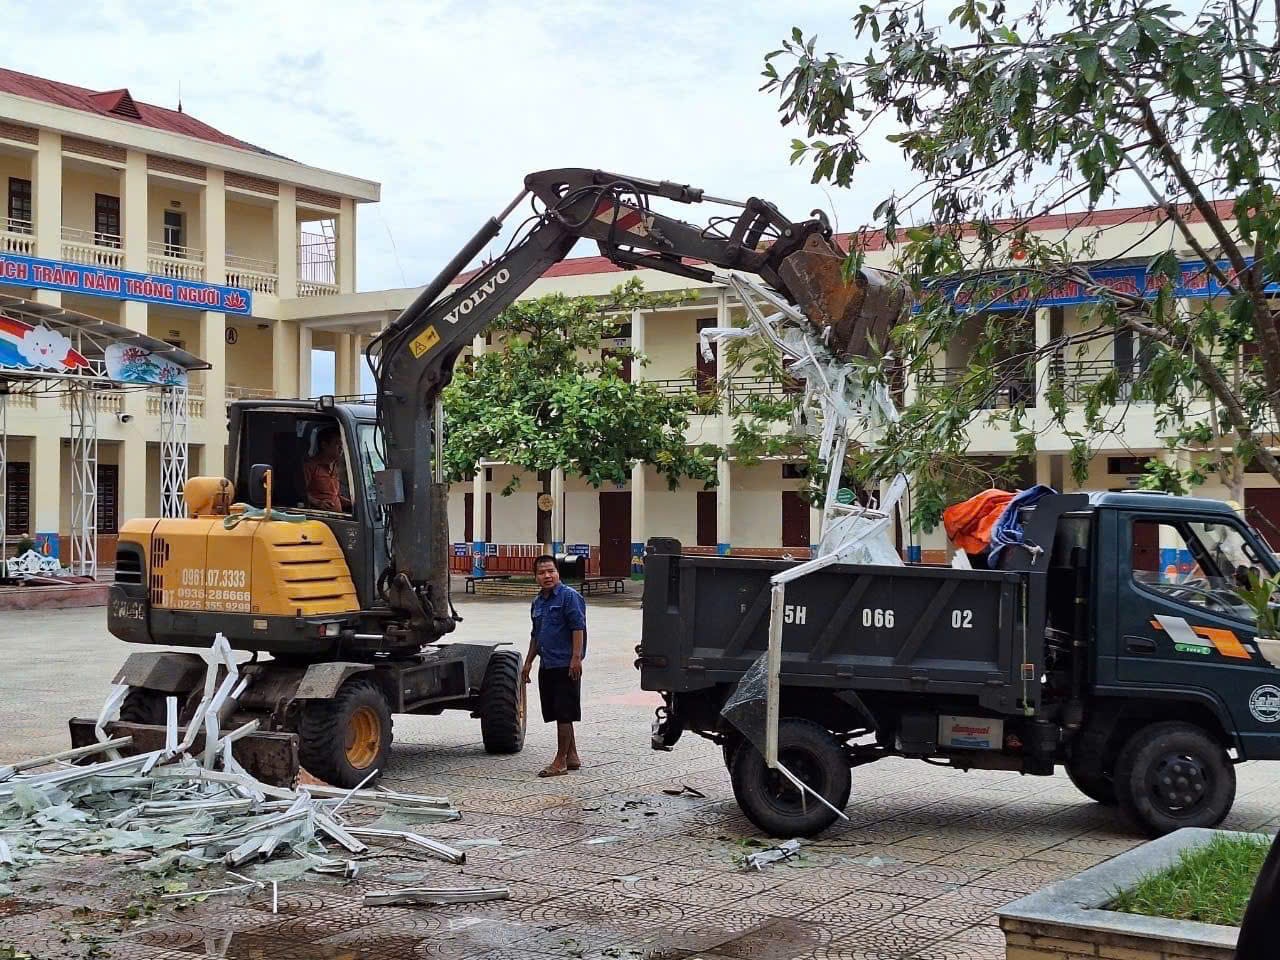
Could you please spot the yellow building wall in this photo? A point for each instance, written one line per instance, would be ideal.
(671, 513)
(161, 197)
(251, 231)
(249, 360)
(78, 189)
(515, 517)
(669, 343)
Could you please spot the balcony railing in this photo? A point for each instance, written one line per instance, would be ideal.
(174, 261)
(1009, 391)
(260, 276)
(195, 401)
(235, 392)
(92, 249)
(1077, 378)
(17, 236)
(314, 288)
(741, 390)
(103, 402)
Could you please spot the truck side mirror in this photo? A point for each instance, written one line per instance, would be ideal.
(257, 492)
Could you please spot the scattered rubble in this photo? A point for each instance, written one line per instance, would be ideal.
(198, 811)
(761, 859)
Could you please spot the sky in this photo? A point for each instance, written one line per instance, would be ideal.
(449, 104)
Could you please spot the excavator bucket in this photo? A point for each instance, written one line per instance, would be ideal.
(853, 314)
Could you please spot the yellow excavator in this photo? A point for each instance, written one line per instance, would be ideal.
(344, 607)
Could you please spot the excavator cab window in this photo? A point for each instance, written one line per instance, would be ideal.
(311, 469)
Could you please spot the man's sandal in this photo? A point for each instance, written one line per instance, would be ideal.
(553, 771)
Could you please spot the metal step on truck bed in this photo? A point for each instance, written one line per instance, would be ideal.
(886, 628)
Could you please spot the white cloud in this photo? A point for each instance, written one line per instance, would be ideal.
(450, 104)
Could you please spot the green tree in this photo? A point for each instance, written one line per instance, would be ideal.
(1004, 117)
(544, 396)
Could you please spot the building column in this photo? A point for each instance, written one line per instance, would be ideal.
(284, 357)
(479, 546)
(132, 489)
(133, 211)
(1043, 360)
(723, 495)
(46, 192)
(343, 368)
(213, 326)
(346, 241)
(479, 487)
(286, 222)
(557, 510)
(723, 499)
(46, 483)
(213, 348)
(304, 361)
(638, 522)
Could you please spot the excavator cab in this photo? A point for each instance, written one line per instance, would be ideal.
(323, 457)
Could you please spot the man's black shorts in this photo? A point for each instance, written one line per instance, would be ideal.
(561, 695)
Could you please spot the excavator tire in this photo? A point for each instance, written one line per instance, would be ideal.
(502, 704)
(343, 739)
(144, 706)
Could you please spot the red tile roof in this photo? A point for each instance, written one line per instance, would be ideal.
(117, 104)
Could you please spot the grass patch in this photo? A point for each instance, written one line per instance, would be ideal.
(1210, 883)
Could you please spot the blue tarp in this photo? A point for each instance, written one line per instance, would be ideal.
(1008, 529)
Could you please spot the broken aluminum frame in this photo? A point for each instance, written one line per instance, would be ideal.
(10, 770)
(434, 896)
(832, 385)
(442, 850)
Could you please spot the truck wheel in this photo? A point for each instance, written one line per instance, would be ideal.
(771, 802)
(344, 739)
(502, 704)
(1094, 785)
(1172, 775)
(144, 706)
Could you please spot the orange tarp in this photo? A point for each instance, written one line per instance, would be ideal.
(969, 522)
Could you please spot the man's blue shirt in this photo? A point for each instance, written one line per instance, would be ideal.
(555, 617)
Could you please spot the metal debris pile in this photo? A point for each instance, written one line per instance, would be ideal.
(193, 811)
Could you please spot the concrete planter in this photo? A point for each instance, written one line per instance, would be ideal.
(1067, 921)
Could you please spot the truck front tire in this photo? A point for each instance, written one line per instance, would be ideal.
(502, 704)
(1173, 774)
(344, 739)
(771, 802)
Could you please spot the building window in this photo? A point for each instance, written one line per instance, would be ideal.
(108, 498)
(19, 205)
(175, 238)
(106, 220)
(17, 499)
(1127, 465)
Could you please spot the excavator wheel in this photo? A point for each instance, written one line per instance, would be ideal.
(344, 739)
(503, 704)
(144, 706)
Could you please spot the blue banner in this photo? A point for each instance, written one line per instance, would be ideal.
(123, 285)
(1195, 281)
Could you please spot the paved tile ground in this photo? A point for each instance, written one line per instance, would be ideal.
(601, 863)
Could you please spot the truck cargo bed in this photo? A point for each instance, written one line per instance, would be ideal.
(925, 629)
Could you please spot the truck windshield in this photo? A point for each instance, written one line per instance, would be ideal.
(1202, 563)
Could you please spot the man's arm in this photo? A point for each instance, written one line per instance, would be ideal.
(575, 661)
(533, 652)
(578, 623)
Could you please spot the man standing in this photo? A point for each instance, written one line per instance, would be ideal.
(559, 637)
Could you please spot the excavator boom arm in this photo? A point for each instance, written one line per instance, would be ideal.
(413, 358)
